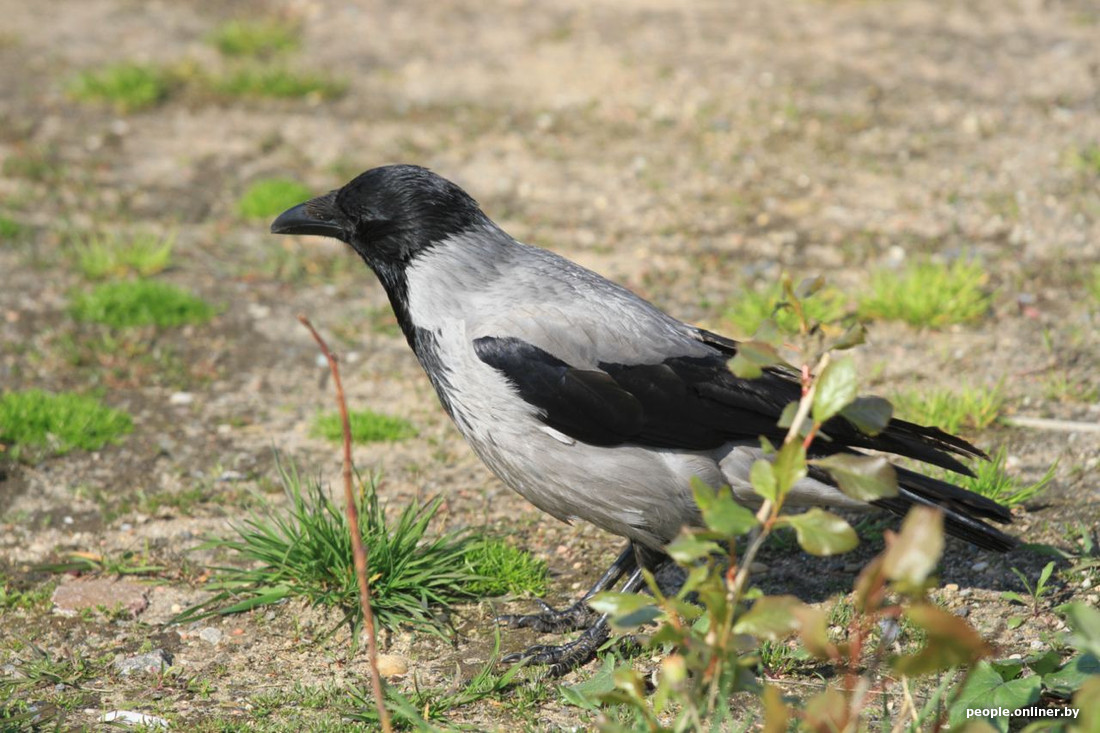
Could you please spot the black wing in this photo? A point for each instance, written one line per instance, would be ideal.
(696, 403)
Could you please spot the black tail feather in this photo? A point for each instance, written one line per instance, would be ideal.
(963, 510)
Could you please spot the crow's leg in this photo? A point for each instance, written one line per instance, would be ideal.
(567, 657)
(579, 615)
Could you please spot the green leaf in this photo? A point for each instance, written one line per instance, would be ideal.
(786, 418)
(914, 553)
(1072, 675)
(762, 477)
(866, 478)
(771, 618)
(790, 466)
(1085, 621)
(626, 610)
(687, 548)
(870, 415)
(720, 512)
(854, 336)
(821, 532)
(1045, 663)
(951, 642)
(985, 690)
(809, 286)
(836, 388)
(752, 358)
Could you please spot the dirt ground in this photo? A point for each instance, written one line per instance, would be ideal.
(688, 150)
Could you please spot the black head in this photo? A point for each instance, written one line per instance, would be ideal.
(388, 214)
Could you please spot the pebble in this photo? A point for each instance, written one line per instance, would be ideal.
(181, 398)
(211, 635)
(962, 611)
(951, 587)
(392, 665)
(153, 662)
(1036, 644)
(966, 592)
(979, 566)
(129, 717)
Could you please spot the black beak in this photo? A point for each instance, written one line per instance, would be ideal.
(312, 217)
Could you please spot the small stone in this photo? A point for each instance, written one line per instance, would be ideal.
(391, 665)
(758, 567)
(211, 635)
(951, 587)
(979, 566)
(966, 592)
(181, 398)
(1036, 644)
(130, 718)
(230, 476)
(153, 662)
(962, 611)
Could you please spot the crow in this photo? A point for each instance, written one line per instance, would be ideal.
(588, 400)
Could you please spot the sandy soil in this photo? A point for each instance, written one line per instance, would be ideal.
(689, 150)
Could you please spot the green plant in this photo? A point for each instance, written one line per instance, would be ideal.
(140, 303)
(56, 423)
(305, 552)
(716, 640)
(971, 408)
(128, 87)
(366, 427)
(928, 294)
(1035, 595)
(255, 38)
(505, 568)
(991, 480)
(10, 229)
(101, 256)
(270, 197)
(275, 83)
(753, 307)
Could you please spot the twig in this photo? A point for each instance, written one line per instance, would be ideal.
(359, 553)
(1043, 423)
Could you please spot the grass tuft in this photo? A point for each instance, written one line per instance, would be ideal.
(755, 306)
(505, 569)
(305, 552)
(928, 294)
(972, 408)
(275, 83)
(255, 38)
(366, 427)
(128, 87)
(271, 197)
(107, 255)
(991, 480)
(10, 229)
(140, 303)
(58, 423)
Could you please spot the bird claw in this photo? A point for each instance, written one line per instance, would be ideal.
(551, 620)
(564, 658)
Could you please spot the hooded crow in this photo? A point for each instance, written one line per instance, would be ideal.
(589, 401)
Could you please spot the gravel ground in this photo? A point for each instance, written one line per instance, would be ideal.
(686, 150)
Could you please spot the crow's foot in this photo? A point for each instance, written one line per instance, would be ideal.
(551, 620)
(566, 657)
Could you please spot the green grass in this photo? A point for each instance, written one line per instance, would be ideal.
(928, 294)
(57, 423)
(1086, 159)
(271, 197)
(39, 164)
(128, 87)
(255, 38)
(505, 569)
(755, 306)
(1094, 284)
(10, 229)
(140, 303)
(366, 427)
(274, 82)
(991, 480)
(971, 408)
(304, 551)
(102, 256)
